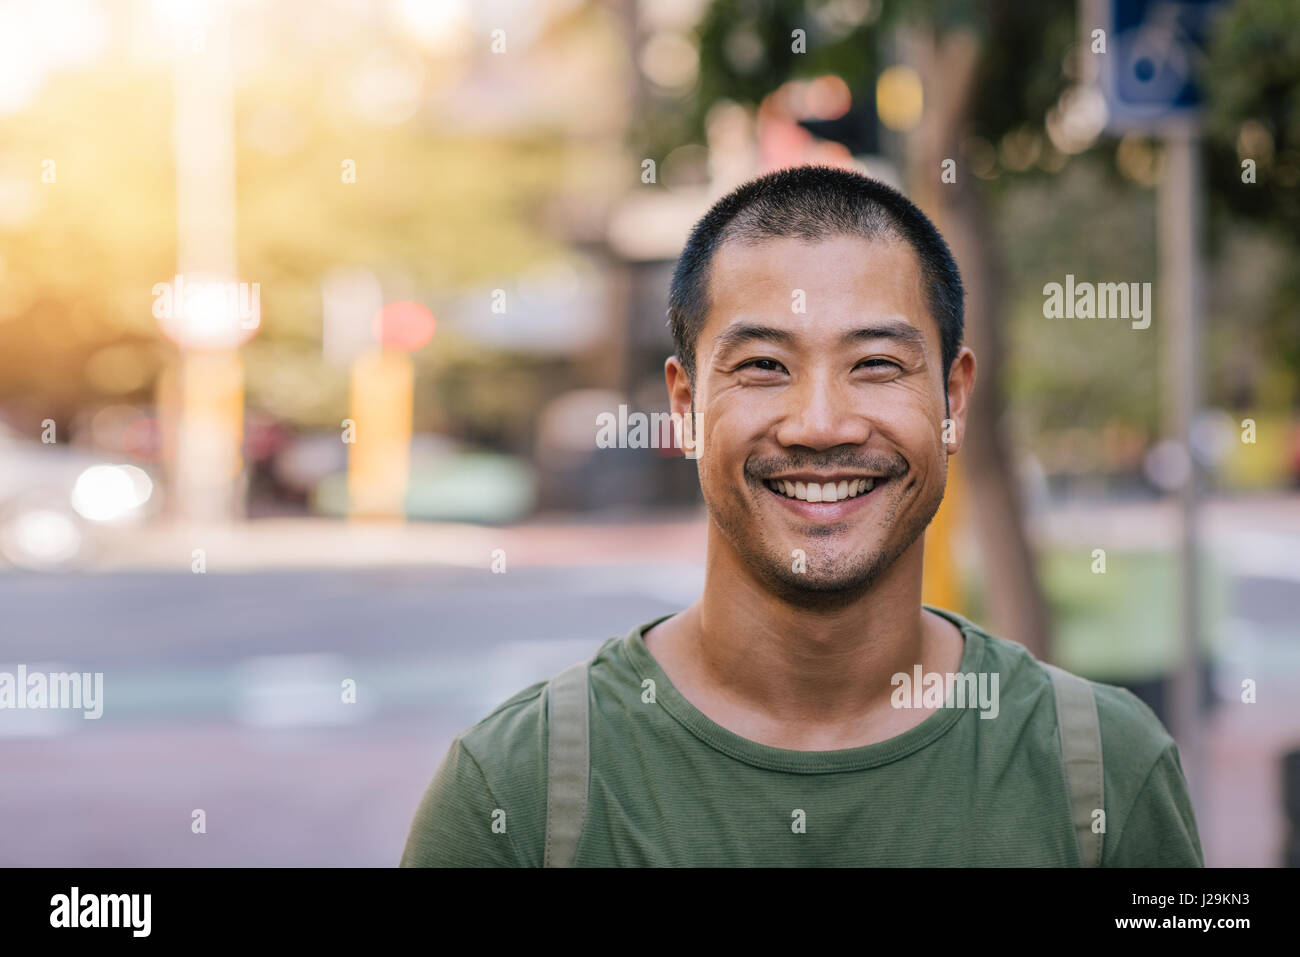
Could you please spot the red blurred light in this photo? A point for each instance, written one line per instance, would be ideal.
(143, 439)
(405, 326)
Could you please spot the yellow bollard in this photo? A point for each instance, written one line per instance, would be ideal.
(379, 438)
(941, 582)
(202, 413)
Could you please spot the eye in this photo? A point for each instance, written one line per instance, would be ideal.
(878, 363)
(762, 365)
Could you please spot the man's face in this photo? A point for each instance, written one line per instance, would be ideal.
(820, 382)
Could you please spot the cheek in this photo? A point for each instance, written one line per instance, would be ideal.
(917, 433)
(732, 431)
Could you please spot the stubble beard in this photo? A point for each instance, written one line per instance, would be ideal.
(832, 576)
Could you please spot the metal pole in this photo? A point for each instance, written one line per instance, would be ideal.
(1180, 218)
(208, 460)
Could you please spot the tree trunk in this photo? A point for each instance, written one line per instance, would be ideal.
(947, 65)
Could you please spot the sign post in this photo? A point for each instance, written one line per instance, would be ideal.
(1149, 76)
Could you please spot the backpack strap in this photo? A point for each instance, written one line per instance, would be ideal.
(567, 764)
(1076, 716)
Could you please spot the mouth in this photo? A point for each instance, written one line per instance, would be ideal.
(829, 491)
(824, 498)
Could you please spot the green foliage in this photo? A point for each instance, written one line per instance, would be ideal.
(1254, 114)
(1255, 76)
(1076, 373)
(1019, 75)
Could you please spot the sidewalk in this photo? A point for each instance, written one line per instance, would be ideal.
(310, 542)
(1259, 530)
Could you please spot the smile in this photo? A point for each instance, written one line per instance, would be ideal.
(809, 491)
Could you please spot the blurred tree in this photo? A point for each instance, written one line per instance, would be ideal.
(434, 209)
(1254, 95)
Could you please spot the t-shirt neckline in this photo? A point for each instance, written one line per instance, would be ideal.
(802, 762)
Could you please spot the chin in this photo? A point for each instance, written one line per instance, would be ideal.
(843, 579)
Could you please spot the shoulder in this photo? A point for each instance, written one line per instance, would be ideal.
(1132, 735)
(512, 737)
(486, 805)
(508, 749)
(1149, 816)
(477, 811)
(509, 727)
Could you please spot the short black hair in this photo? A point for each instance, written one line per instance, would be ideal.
(812, 203)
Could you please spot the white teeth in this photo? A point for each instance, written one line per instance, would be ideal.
(825, 492)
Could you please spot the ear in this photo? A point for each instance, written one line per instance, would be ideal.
(682, 406)
(961, 382)
(679, 387)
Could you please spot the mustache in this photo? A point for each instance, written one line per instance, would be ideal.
(849, 460)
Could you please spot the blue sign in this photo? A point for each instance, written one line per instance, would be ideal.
(1155, 55)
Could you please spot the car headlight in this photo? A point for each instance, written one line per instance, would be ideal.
(40, 538)
(108, 493)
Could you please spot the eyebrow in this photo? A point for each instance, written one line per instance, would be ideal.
(895, 329)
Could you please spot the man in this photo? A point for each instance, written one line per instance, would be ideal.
(808, 709)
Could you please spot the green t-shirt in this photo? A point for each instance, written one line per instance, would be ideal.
(670, 787)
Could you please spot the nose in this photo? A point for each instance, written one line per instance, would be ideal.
(821, 414)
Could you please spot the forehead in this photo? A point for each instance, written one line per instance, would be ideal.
(843, 278)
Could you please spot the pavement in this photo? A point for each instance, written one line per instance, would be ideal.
(631, 538)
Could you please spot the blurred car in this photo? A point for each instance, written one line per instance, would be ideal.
(55, 500)
(446, 483)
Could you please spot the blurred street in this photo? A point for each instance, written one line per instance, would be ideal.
(190, 660)
(222, 689)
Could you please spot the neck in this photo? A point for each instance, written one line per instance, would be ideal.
(827, 661)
